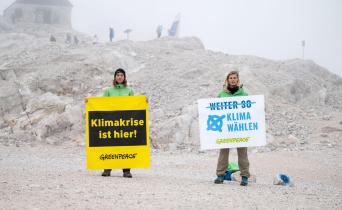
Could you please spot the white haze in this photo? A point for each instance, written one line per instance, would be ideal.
(271, 29)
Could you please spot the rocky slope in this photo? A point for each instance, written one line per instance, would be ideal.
(43, 85)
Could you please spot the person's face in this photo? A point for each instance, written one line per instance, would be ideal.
(233, 80)
(119, 78)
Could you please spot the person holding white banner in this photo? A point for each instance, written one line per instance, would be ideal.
(232, 88)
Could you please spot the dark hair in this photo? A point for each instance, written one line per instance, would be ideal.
(124, 73)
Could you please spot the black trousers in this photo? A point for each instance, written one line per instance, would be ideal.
(123, 170)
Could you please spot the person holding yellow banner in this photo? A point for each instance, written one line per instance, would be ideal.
(232, 88)
(119, 88)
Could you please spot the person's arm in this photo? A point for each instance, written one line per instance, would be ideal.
(131, 92)
(106, 92)
(219, 95)
(244, 92)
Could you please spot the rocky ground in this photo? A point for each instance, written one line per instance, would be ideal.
(54, 177)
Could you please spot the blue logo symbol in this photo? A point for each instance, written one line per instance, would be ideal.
(215, 122)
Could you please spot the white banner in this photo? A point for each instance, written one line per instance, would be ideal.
(232, 122)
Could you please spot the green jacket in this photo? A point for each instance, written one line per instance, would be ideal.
(118, 90)
(226, 93)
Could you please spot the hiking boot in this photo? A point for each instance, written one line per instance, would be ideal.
(219, 180)
(244, 181)
(127, 174)
(106, 172)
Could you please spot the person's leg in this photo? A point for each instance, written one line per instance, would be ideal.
(243, 165)
(106, 172)
(127, 172)
(222, 164)
(243, 161)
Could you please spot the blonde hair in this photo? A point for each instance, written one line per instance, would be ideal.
(229, 74)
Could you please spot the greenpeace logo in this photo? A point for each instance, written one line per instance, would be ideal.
(232, 140)
(117, 156)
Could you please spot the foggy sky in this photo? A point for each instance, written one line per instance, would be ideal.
(266, 28)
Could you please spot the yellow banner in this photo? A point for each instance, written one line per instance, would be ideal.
(117, 132)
